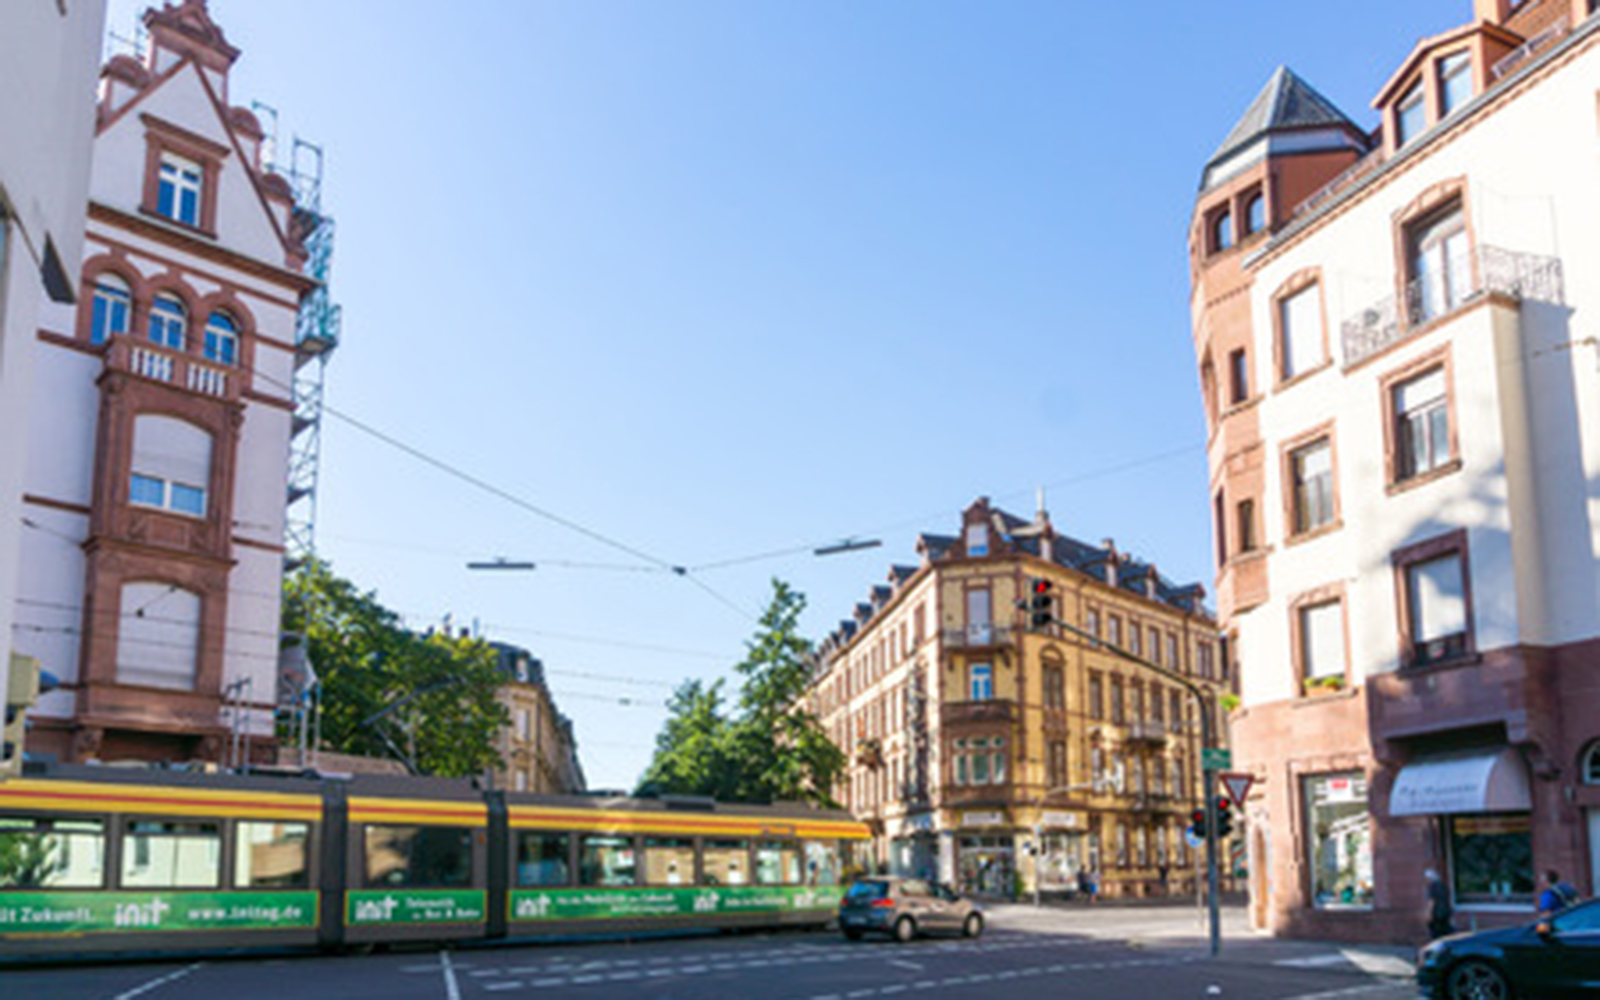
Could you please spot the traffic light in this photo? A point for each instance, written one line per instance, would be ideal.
(1224, 818)
(1197, 824)
(21, 693)
(1041, 604)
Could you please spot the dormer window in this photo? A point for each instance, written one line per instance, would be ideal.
(1411, 115)
(178, 189)
(1455, 82)
(977, 539)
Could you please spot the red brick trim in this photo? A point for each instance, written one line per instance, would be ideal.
(162, 137)
(181, 240)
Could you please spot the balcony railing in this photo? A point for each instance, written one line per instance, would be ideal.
(992, 710)
(1521, 276)
(158, 364)
(1146, 731)
(1525, 52)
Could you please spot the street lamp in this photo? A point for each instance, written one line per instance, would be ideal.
(501, 562)
(847, 545)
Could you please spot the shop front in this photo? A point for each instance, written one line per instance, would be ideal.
(914, 849)
(985, 854)
(1062, 851)
(1483, 805)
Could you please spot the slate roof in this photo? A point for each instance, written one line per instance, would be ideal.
(1286, 103)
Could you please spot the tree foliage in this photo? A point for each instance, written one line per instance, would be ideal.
(439, 690)
(770, 747)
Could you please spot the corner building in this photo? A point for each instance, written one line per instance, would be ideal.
(997, 757)
(1396, 338)
(155, 488)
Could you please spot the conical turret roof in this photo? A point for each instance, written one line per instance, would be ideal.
(1286, 103)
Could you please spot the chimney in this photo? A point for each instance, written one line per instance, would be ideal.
(1493, 11)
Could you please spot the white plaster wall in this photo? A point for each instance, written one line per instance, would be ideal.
(1527, 388)
(63, 423)
(48, 58)
(49, 610)
(261, 475)
(252, 637)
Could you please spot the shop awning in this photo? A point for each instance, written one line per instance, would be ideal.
(1476, 781)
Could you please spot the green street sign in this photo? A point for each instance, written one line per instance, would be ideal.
(1213, 759)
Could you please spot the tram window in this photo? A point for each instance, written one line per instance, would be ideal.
(171, 854)
(777, 863)
(668, 861)
(51, 853)
(271, 856)
(822, 862)
(727, 862)
(607, 861)
(542, 859)
(418, 856)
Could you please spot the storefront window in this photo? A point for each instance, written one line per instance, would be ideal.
(1491, 859)
(1340, 832)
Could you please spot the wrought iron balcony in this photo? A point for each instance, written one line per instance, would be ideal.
(1146, 731)
(978, 636)
(1433, 296)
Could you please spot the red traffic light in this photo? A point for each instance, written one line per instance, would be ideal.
(1223, 805)
(1198, 817)
(1041, 585)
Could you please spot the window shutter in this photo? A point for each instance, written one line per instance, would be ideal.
(1301, 320)
(1322, 633)
(158, 636)
(173, 450)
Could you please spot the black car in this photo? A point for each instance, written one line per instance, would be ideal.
(1553, 959)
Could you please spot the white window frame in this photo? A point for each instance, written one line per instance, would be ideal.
(1454, 69)
(111, 308)
(1313, 499)
(1411, 115)
(222, 339)
(1422, 425)
(180, 189)
(980, 682)
(169, 321)
(1431, 616)
(1322, 641)
(1301, 344)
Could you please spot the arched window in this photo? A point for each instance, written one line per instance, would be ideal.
(171, 465)
(222, 339)
(110, 309)
(1591, 764)
(1222, 231)
(166, 322)
(1255, 214)
(158, 636)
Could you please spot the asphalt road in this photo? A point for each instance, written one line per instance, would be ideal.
(1019, 956)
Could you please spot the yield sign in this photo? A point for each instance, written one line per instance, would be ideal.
(1238, 786)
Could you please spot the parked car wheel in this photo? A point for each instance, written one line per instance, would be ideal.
(1474, 980)
(904, 930)
(973, 926)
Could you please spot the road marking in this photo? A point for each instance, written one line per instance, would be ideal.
(1311, 962)
(1352, 991)
(913, 966)
(156, 983)
(553, 981)
(509, 984)
(452, 989)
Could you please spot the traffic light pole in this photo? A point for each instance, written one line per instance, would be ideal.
(1208, 740)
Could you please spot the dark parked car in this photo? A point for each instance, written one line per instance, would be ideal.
(904, 908)
(1553, 959)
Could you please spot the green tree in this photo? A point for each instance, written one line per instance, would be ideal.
(438, 690)
(772, 748)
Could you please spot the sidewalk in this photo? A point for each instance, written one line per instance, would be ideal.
(1150, 924)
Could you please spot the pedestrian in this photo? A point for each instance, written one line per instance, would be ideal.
(1083, 883)
(1557, 896)
(1094, 886)
(1163, 872)
(1440, 911)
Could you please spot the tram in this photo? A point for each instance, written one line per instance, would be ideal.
(106, 859)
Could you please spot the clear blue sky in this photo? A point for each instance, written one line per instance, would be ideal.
(719, 278)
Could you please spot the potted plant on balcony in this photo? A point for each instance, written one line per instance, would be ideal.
(1330, 684)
